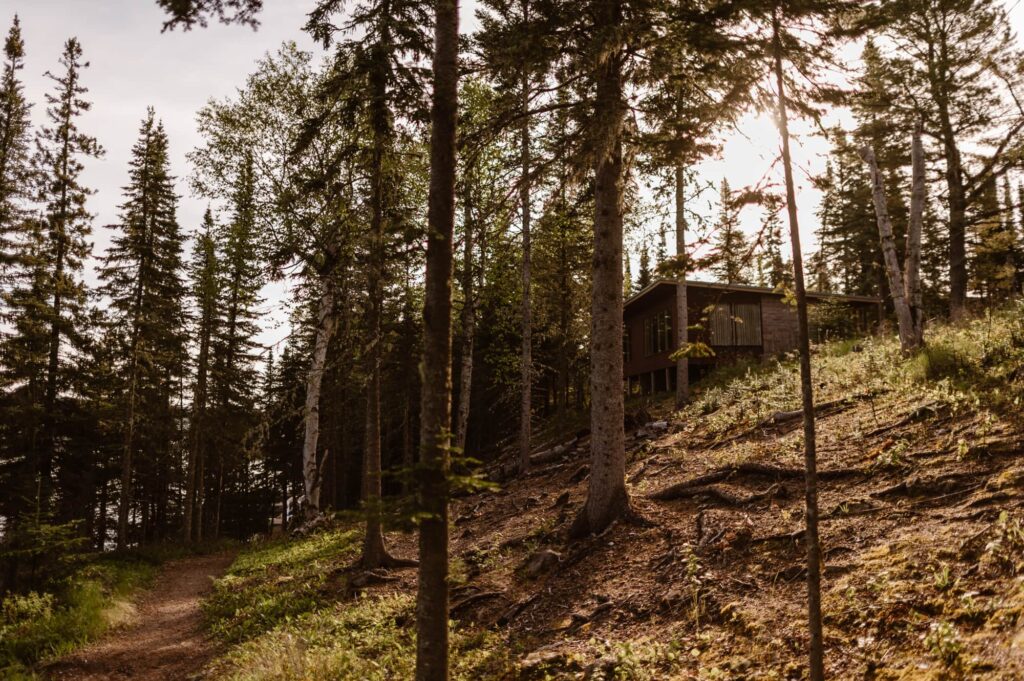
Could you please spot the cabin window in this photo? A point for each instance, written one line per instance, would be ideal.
(736, 324)
(627, 348)
(658, 333)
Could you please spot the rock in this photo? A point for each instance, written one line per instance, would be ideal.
(542, 561)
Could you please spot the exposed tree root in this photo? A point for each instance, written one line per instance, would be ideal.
(684, 489)
(935, 488)
(719, 494)
(472, 599)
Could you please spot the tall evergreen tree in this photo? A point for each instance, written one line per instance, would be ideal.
(233, 372)
(60, 149)
(204, 278)
(732, 251)
(375, 75)
(15, 146)
(141, 276)
(954, 65)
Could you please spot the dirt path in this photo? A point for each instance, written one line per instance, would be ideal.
(164, 642)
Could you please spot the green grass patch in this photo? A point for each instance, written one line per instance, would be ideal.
(282, 607)
(39, 625)
(275, 581)
(977, 363)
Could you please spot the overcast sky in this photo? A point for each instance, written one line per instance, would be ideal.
(133, 65)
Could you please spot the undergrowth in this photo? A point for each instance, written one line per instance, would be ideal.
(285, 606)
(39, 625)
(976, 365)
(65, 613)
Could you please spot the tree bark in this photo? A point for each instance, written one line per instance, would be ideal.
(526, 362)
(374, 551)
(606, 495)
(892, 265)
(193, 476)
(327, 322)
(435, 407)
(816, 657)
(912, 274)
(682, 313)
(468, 327)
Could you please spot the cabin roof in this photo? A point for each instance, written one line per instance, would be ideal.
(744, 288)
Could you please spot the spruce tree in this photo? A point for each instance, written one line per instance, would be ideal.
(15, 147)
(233, 373)
(141, 276)
(732, 250)
(954, 67)
(374, 75)
(204, 279)
(60, 150)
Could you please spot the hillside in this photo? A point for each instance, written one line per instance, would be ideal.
(920, 495)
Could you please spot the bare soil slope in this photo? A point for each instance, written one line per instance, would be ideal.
(922, 551)
(165, 641)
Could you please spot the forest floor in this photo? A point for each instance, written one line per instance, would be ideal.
(164, 640)
(922, 497)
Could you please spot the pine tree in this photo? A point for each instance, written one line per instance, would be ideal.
(60, 300)
(732, 250)
(992, 244)
(954, 67)
(375, 76)
(15, 146)
(233, 374)
(644, 276)
(204, 277)
(141, 276)
(435, 409)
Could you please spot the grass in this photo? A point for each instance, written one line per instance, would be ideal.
(977, 365)
(40, 625)
(283, 606)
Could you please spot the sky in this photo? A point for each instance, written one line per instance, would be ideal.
(133, 65)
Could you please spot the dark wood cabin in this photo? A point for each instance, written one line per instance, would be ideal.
(736, 321)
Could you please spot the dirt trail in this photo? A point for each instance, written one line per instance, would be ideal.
(165, 640)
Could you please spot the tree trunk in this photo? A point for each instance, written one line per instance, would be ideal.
(193, 479)
(468, 328)
(327, 322)
(682, 313)
(526, 362)
(816, 652)
(892, 265)
(374, 552)
(435, 408)
(126, 454)
(912, 275)
(606, 496)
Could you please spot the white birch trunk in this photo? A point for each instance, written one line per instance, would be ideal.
(327, 321)
(912, 264)
(892, 265)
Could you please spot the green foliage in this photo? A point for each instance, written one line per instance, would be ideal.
(943, 641)
(282, 603)
(1005, 549)
(276, 581)
(39, 625)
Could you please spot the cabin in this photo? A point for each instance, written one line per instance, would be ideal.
(735, 320)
